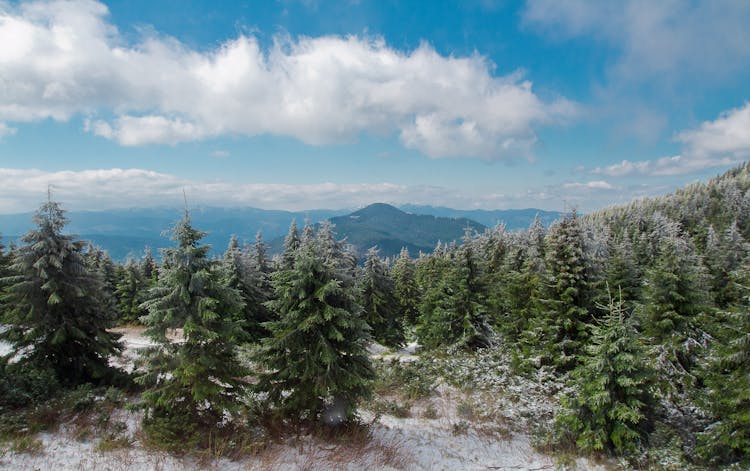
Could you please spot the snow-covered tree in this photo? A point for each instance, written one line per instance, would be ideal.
(378, 300)
(315, 361)
(56, 312)
(196, 381)
(406, 289)
(130, 292)
(611, 402)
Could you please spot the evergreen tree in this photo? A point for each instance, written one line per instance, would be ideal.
(406, 288)
(727, 380)
(291, 244)
(454, 313)
(149, 268)
(197, 381)
(243, 275)
(612, 399)
(130, 293)
(622, 274)
(675, 300)
(56, 313)
(316, 362)
(379, 303)
(566, 320)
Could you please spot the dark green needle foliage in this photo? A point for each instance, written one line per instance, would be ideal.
(379, 304)
(197, 381)
(727, 380)
(316, 365)
(406, 288)
(610, 407)
(57, 312)
(130, 293)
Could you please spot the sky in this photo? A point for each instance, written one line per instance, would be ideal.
(307, 104)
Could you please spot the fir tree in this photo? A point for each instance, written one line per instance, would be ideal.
(316, 362)
(379, 303)
(406, 288)
(612, 399)
(198, 381)
(149, 268)
(56, 313)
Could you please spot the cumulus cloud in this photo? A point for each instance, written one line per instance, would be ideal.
(722, 142)
(60, 59)
(595, 185)
(656, 39)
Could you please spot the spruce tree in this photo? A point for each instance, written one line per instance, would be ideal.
(149, 268)
(675, 301)
(56, 312)
(130, 293)
(406, 288)
(196, 381)
(566, 320)
(454, 313)
(291, 244)
(243, 276)
(612, 399)
(727, 380)
(316, 362)
(379, 303)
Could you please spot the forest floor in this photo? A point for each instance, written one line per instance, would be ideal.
(443, 427)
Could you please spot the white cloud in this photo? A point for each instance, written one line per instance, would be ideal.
(670, 39)
(595, 185)
(6, 130)
(23, 190)
(60, 59)
(722, 142)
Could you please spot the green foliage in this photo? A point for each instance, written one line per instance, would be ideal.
(130, 293)
(611, 403)
(244, 273)
(315, 360)
(727, 380)
(379, 304)
(23, 384)
(411, 380)
(564, 325)
(197, 380)
(57, 309)
(454, 313)
(406, 289)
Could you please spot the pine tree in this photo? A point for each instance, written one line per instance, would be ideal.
(612, 399)
(727, 381)
(316, 362)
(379, 303)
(195, 382)
(406, 288)
(130, 293)
(56, 312)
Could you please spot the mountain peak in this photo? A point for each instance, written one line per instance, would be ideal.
(378, 209)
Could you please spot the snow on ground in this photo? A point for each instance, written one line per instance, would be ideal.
(445, 439)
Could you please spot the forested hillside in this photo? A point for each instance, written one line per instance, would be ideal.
(632, 325)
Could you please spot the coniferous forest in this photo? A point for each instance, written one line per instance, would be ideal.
(622, 335)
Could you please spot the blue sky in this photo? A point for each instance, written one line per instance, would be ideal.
(319, 104)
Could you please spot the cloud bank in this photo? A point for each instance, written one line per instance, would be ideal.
(23, 190)
(62, 59)
(722, 142)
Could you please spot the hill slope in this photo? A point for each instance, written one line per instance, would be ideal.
(390, 229)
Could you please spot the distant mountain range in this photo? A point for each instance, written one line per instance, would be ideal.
(126, 232)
